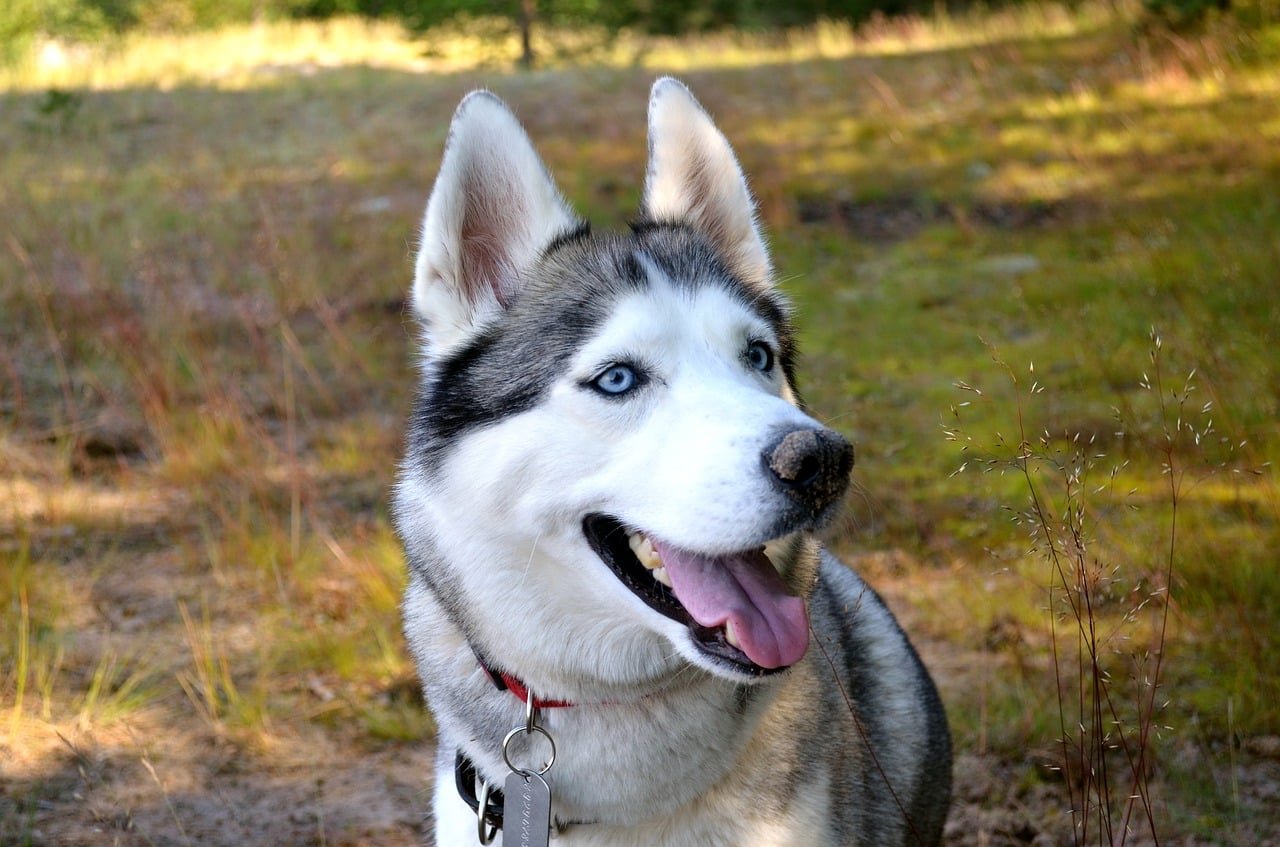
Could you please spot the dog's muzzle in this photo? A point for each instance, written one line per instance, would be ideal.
(811, 466)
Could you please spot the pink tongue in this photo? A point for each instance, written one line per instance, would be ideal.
(772, 626)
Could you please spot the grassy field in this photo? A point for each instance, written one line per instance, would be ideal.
(1034, 255)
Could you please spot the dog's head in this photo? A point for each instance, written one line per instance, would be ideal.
(608, 476)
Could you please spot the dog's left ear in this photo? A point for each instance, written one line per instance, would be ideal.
(694, 179)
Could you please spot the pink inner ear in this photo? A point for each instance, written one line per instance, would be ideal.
(489, 225)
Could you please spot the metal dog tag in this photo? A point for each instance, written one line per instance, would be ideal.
(526, 810)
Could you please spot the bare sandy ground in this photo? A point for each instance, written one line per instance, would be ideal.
(163, 775)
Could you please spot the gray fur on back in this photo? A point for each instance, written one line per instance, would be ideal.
(885, 706)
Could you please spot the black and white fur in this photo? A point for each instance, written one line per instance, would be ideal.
(674, 738)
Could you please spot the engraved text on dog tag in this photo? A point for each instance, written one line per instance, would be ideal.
(526, 811)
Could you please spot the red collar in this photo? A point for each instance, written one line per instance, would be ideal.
(506, 682)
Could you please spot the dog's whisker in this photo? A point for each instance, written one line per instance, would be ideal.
(533, 548)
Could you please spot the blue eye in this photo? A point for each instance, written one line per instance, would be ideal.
(760, 356)
(616, 379)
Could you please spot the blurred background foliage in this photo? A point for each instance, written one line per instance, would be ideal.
(209, 214)
(23, 21)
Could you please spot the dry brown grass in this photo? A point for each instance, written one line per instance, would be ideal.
(205, 364)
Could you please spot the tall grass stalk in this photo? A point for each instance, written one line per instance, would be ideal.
(1107, 723)
(210, 686)
(24, 661)
(113, 692)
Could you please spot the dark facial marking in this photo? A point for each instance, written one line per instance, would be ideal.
(507, 368)
(581, 231)
(689, 259)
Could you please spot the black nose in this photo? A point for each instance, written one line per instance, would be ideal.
(811, 465)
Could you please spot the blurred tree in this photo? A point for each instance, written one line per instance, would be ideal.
(659, 17)
(1184, 13)
(23, 20)
(528, 10)
(423, 14)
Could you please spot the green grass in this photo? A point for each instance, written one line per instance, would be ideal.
(208, 240)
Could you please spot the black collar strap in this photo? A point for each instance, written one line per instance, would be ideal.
(464, 777)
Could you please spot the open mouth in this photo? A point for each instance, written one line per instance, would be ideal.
(735, 605)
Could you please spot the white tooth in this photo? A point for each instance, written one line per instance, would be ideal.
(643, 548)
(660, 574)
(730, 635)
(775, 550)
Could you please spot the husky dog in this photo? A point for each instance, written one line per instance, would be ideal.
(607, 501)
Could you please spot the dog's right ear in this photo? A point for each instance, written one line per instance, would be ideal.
(492, 212)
